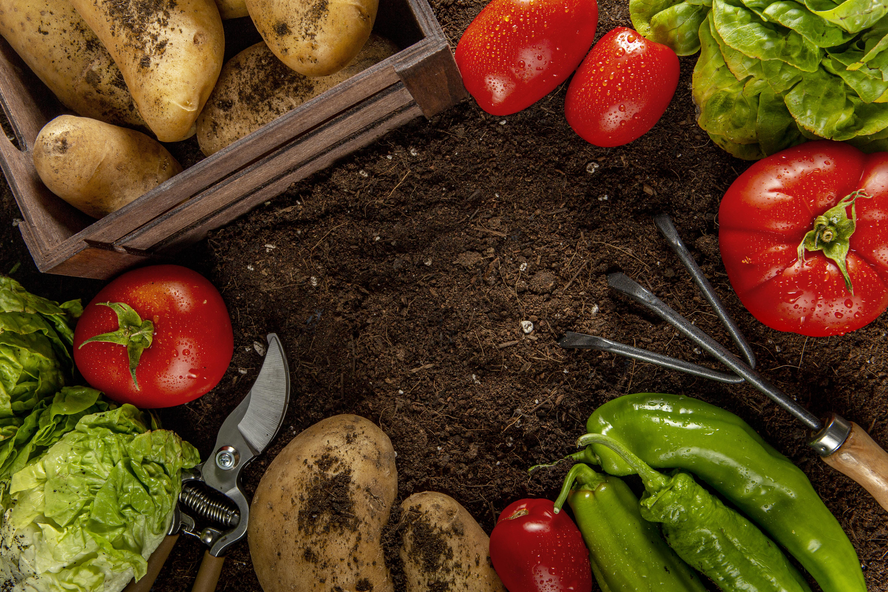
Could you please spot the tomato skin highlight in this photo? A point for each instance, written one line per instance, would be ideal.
(515, 52)
(533, 549)
(621, 89)
(765, 215)
(192, 346)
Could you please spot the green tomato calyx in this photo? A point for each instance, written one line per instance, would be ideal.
(132, 332)
(832, 232)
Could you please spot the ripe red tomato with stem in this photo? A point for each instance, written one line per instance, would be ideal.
(621, 89)
(534, 549)
(803, 235)
(515, 52)
(157, 336)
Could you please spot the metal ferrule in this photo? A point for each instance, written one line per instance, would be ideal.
(832, 436)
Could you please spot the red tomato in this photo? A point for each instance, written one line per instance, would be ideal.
(533, 549)
(185, 332)
(516, 52)
(765, 217)
(621, 89)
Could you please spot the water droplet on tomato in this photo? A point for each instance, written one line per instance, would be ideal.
(838, 315)
(849, 303)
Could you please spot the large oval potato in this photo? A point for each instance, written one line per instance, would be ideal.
(170, 53)
(443, 547)
(65, 54)
(98, 167)
(317, 516)
(314, 37)
(255, 88)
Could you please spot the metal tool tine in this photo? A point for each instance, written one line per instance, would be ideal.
(572, 340)
(622, 283)
(668, 230)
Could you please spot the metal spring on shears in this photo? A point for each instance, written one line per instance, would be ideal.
(219, 511)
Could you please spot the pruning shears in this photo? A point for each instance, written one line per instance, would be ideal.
(212, 506)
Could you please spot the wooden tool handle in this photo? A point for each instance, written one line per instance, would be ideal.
(155, 562)
(864, 461)
(208, 574)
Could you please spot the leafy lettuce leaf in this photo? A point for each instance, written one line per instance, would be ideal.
(86, 513)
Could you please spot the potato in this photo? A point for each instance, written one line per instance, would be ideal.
(98, 167)
(443, 547)
(255, 88)
(64, 53)
(170, 53)
(317, 516)
(314, 37)
(232, 9)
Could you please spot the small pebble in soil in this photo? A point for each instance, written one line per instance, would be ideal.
(526, 327)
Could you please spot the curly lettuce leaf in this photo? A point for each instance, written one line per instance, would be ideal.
(86, 514)
(742, 30)
(851, 15)
(46, 424)
(671, 23)
(36, 339)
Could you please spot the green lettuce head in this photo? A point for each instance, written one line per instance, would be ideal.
(87, 513)
(775, 73)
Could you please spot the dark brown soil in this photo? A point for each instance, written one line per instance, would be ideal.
(398, 281)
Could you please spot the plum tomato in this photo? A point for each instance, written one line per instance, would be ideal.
(621, 89)
(156, 336)
(803, 235)
(515, 52)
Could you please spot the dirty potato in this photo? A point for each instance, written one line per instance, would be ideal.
(443, 547)
(58, 46)
(314, 37)
(232, 9)
(317, 516)
(255, 88)
(170, 53)
(98, 167)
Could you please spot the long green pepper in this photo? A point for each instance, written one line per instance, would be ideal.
(626, 551)
(709, 536)
(719, 448)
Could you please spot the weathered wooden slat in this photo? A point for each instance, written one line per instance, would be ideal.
(293, 155)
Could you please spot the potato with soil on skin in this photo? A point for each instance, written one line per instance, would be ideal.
(65, 54)
(98, 167)
(443, 547)
(170, 53)
(317, 516)
(256, 88)
(314, 37)
(232, 9)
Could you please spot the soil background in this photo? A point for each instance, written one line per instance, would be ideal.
(398, 280)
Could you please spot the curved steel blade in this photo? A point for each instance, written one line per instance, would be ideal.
(268, 399)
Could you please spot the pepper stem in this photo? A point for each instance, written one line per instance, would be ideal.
(653, 480)
(132, 332)
(832, 232)
(579, 473)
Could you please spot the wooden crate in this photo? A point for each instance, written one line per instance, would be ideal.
(420, 80)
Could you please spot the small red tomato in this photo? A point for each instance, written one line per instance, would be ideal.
(154, 337)
(516, 52)
(533, 549)
(621, 89)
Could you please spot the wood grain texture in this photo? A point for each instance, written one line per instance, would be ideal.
(864, 461)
